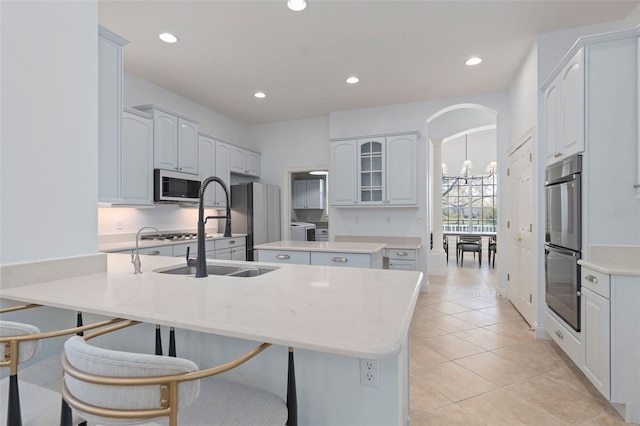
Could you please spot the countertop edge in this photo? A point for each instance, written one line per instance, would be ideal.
(609, 268)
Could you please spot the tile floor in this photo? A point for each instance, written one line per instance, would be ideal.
(474, 361)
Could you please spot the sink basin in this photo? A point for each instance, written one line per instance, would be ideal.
(229, 271)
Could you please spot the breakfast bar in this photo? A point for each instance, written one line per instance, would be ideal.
(331, 316)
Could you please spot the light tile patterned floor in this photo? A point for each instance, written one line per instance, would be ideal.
(474, 361)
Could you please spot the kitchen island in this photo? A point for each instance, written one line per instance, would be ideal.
(331, 316)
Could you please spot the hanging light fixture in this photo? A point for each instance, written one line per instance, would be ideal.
(491, 168)
(297, 5)
(445, 170)
(467, 165)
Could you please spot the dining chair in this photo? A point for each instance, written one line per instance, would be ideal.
(38, 384)
(117, 387)
(493, 249)
(468, 244)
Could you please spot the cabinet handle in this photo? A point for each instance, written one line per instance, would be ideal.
(232, 242)
(339, 259)
(591, 279)
(402, 253)
(153, 253)
(560, 335)
(283, 256)
(636, 185)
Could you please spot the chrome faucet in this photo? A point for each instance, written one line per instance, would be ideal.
(201, 260)
(136, 259)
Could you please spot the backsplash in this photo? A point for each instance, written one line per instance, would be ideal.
(309, 215)
(165, 217)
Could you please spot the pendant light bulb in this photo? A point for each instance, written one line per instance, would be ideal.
(297, 5)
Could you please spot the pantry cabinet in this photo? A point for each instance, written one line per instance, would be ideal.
(175, 140)
(385, 171)
(110, 77)
(137, 157)
(308, 194)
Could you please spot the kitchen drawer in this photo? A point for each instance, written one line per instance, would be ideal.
(354, 260)
(322, 235)
(152, 251)
(595, 281)
(180, 250)
(229, 242)
(564, 338)
(284, 256)
(402, 265)
(401, 254)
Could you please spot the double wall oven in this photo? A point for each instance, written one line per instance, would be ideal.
(563, 241)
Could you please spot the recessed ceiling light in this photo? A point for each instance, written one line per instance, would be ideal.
(353, 80)
(319, 173)
(259, 95)
(297, 5)
(473, 61)
(168, 38)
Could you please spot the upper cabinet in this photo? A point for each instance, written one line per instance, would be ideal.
(213, 160)
(110, 115)
(137, 157)
(564, 110)
(308, 194)
(244, 162)
(378, 171)
(175, 140)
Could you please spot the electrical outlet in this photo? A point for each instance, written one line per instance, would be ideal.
(119, 225)
(369, 373)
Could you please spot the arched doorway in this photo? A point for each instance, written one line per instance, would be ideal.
(463, 201)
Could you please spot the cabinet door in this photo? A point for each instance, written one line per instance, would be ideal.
(572, 81)
(284, 256)
(187, 146)
(371, 173)
(137, 159)
(252, 163)
(239, 253)
(224, 254)
(596, 332)
(401, 170)
(348, 260)
(223, 152)
(165, 140)
(551, 120)
(109, 118)
(299, 194)
(343, 175)
(315, 194)
(207, 167)
(237, 160)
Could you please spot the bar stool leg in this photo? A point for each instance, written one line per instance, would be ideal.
(172, 341)
(158, 341)
(292, 399)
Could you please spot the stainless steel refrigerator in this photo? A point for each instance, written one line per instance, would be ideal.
(255, 211)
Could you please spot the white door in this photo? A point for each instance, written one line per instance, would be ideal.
(187, 146)
(519, 242)
(207, 167)
(137, 159)
(165, 136)
(401, 175)
(222, 171)
(299, 194)
(573, 106)
(343, 173)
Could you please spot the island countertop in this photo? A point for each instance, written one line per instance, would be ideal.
(355, 312)
(324, 246)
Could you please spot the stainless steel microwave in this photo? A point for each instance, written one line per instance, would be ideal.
(175, 187)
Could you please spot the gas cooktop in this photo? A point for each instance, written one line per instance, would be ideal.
(174, 236)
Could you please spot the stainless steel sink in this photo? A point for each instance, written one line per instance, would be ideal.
(229, 271)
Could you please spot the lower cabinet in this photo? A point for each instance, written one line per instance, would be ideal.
(401, 259)
(610, 334)
(150, 251)
(230, 248)
(353, 260)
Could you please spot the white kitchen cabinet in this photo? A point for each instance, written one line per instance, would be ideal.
(137, 157)
(244, 162)
(150, 251)
(233, 248)
(110, 77)
(386, 171)
(308, 194)
(175, 140)
(213, 160)
(610, 328)
(401, 259)
(222, 171)
(344, 173)
(322, 234)
(322, 258)
(285, 256)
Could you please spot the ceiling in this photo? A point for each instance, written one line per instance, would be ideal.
(402, 51)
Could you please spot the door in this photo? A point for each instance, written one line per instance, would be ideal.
(371, 177)
(551, 112)
(573, 106)
(299, 194)
(222, 171)
(165, 135)
(207, 167)
(401, 175)
(137, 159)
(520, 255)
(343, 173)
(187, 146)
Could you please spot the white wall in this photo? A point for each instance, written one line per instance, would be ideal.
(481, 150)
(49, 163)
(165, 217)
(633, 19)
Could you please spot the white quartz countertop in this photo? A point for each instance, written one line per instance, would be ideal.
(324, 246)
(408, 243)
(355, 312)
(611, 268)
(130, 244)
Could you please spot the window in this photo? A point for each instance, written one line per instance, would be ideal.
(469, 204)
